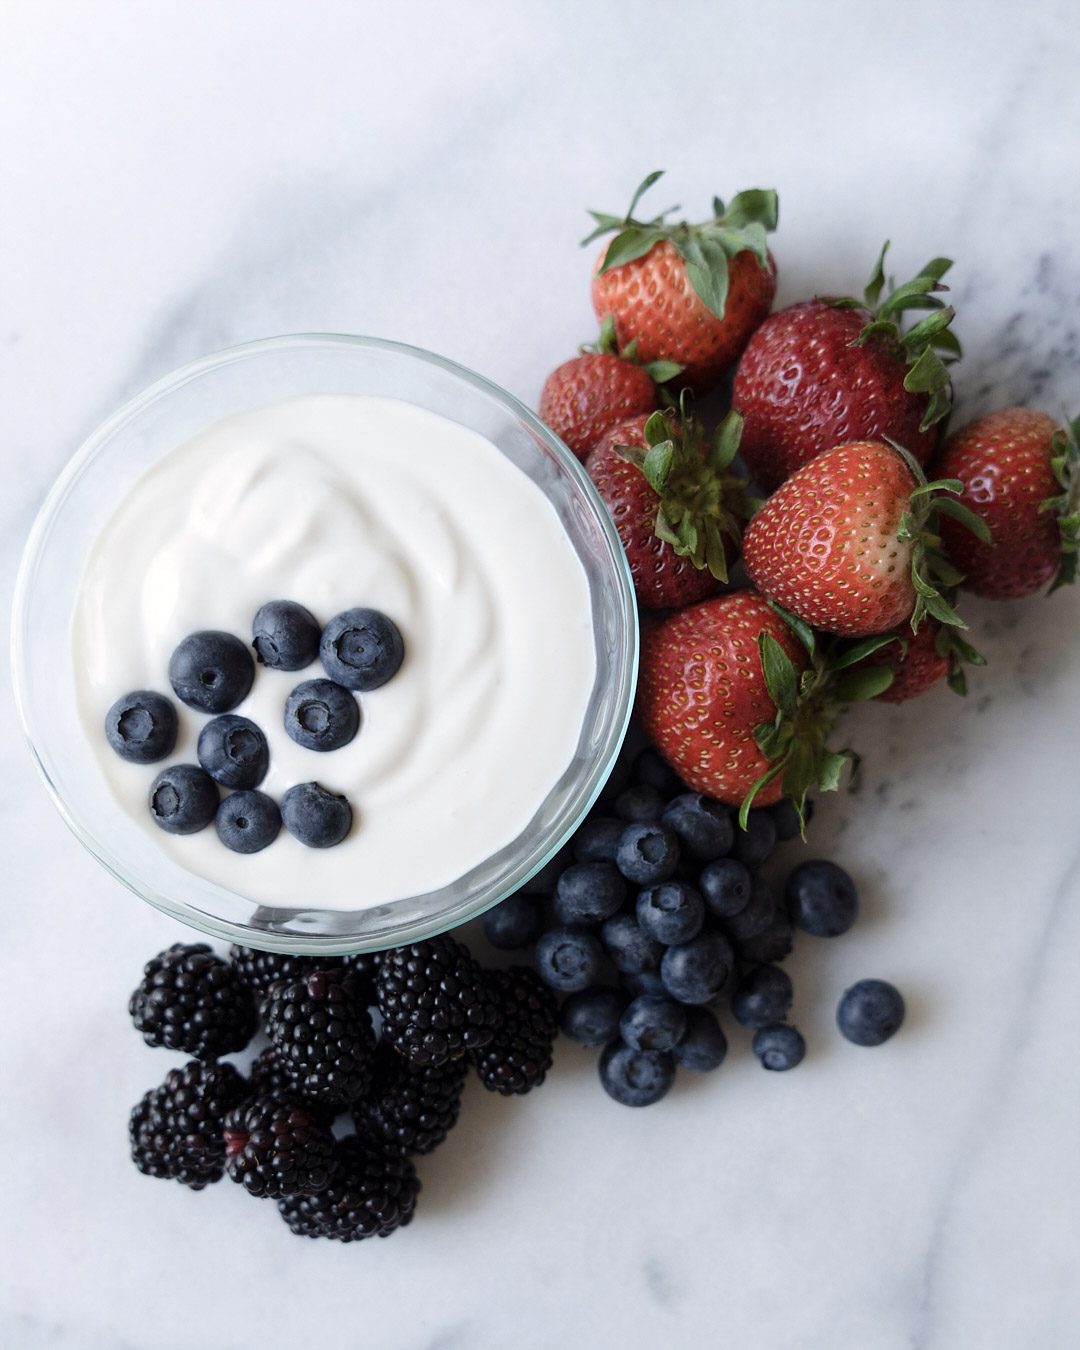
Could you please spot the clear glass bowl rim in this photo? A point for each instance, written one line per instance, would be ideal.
(159, 390)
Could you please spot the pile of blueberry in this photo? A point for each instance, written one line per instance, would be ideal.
(212, 672)
(657, 913)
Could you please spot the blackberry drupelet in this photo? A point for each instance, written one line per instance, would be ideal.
(275, 1146)
(408, 1108)
(176, 1130)
(373, 1195)
(323, 1034)
(519, 1055)
(434, 1001)
(192, 1001)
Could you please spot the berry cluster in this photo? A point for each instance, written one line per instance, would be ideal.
(856, 561)
(275, 1130)
(662, 890)
(212, 672)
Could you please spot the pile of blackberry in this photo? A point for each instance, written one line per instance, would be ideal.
(657, 914)
(330, 1114)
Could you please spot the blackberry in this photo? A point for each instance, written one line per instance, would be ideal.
(269, 1076)
(434, 1001)
(192, 1001)
(276, 1146)
(176, 1130)
(321, 1029)
(362, 966)
(519, 1055)
(374, 1194)
(259, 970)
(408, 1108)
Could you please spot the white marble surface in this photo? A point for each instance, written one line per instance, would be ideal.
(179, 177)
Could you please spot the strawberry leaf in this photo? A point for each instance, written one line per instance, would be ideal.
(643, 187)
(867, 647)
(799, 627)
(781, 677)
(725, 443)
(709, 282)
(755, 206)
(661, 371)
(947, 506)
(832, 766)
(634, 242)
(876, 284)
(857, 686)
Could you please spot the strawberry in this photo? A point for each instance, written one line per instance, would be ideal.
(677, 510)
(847, 543)
(1021, 475)
(702, 692)
(688, 293)
(741, 696)
(828, 371)
(919, 661)
(586, 395)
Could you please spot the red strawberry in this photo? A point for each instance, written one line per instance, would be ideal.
(846, 544)
(702, 692)
(916, 669)
(825, 372)
(688, 293)
(586, 395)
(1021, 475)
(677, 510)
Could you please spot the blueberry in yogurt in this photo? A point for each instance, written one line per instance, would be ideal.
(211, 671)
(315, 816)
(321, 715)
(247, 821)
(233, 751)
(183, 799)
(285, 635)
(141, 727)
(361, 649)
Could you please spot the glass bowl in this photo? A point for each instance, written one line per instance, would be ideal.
(155, 423)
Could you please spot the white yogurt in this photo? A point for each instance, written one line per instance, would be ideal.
(340, 501)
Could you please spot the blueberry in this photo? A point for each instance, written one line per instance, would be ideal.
(361, 649)
(514, 923)
(672, 912)
(653, 1023)
(285, 635)
(821, 898)
(643, 982)
(786, 818)
(233, 751)
(568, 959)
(779, 1047)
(726, 886)
(629, 946)
(247, 821)
(763, 996)
(756, 917)
(648, 852)
(591, 1016)
(870, 1012)
(755, 844)
(700, 970)
(321, 715)
(543, 882)
(704, 1046)
(640, 802)
(774, 943)
(598, 839)
(183, 799)
(704, 826)
(141, 727)
(589, 892)
(652, 768)
(211, 671)
(635, 1077)
(318, 818)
